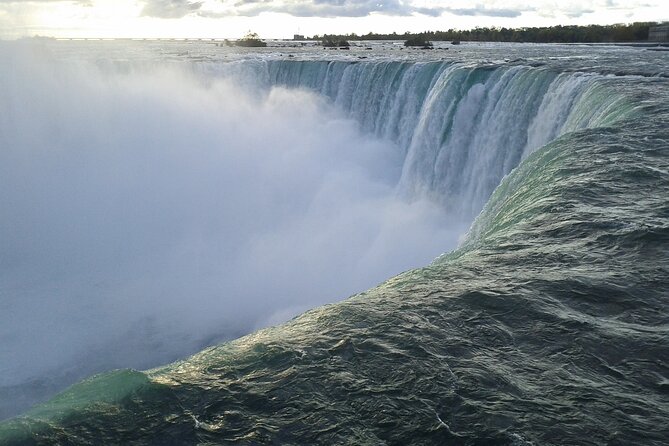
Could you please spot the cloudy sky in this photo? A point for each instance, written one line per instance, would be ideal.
(283, 18)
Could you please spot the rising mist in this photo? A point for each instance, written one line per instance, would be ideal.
(149, 211)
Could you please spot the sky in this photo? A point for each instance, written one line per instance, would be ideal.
(283, 18)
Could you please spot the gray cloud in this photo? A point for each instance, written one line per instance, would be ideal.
(357, 8)
(480, 11)
(330, 8)
(575, 13)
(169, 9)
(432, 12)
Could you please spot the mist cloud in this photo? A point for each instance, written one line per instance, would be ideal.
(150, 211)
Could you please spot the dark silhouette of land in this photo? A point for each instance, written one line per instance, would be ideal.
(634, 32)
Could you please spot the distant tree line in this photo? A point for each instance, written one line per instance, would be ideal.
(634, 32)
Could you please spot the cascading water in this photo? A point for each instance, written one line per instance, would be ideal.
(461, 128)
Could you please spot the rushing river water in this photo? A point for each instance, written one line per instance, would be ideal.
(161, 197)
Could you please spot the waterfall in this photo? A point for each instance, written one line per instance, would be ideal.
(461, 128)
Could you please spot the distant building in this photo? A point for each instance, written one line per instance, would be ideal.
(298, 37)
(659, 33)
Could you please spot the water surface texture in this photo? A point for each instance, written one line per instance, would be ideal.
(541, 173)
